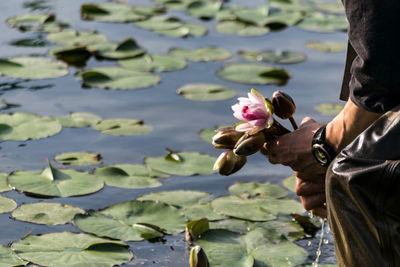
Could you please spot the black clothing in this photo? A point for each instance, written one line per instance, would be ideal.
(372, 73)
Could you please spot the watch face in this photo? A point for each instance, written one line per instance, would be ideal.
(320, 154)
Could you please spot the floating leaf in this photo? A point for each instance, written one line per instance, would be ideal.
(253, 74)
(52, 182)
(329, 109)
(180, 198)
(133, 220)
(111, 13)
(7, 204)
(129, 176)
(24, 126)
(280, 57)
(46, 213)
(319, 22)
(122, 127)
(4, 186)
(328, 46)
(70, 249)
(154, 63)
(201, 210)
(290, 183)
(241, 28)
(32, 68)
(75, 56)
(253, 189)
(79, 119)
(205, 92)
(78, 158)
(201, 54)
(255, 16)
(117, 78)
(336, 7)
(36, 22)
(192, 163)
(124, 50)
(204, 9)
(195, 228)
(9, 258)
(30, 42)
(73, 38)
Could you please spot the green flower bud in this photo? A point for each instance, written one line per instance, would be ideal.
(229, 163)
(226, 138)
(198, 257)
(284, 105)
(249, 144)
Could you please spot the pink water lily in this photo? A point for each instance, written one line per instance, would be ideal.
(254, 112)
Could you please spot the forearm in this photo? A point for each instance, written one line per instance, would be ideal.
(348, 124)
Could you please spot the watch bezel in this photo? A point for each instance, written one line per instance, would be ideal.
(320, 149)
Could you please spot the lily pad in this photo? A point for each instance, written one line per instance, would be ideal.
(4, 186)
(111, 12)
(201, 210)
(254, 74)
(9, 258)
(204, 9)
(283, 18)
(253, 189)
(46, 213)
(201, 54)
(24, 126)
(123, 50)
(79, 119)
(319, 22)
(129, 176)
(241, 28)
(70, 249)
(7, 204)
(255, 16)
(78, 158)
(52, 182)
(328, 46)
(192, 163)
(75, 56)
(36, 22)
(205, 92)
(280, 57)
(290, 183)
(154, 63)
(329, 109)
(133, 220)
(117, 78)
(73, 38)
(179, 198)
(32, 68)
(122, 127)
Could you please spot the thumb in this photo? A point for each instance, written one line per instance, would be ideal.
(306, 121)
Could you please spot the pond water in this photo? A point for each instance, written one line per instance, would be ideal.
(176, 121)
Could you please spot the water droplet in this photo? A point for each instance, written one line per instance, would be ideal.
(326, 241)
(309, 243)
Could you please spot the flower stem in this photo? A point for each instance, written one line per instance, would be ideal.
(293, 122)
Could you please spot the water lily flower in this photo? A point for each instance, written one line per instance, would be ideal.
(255, 112)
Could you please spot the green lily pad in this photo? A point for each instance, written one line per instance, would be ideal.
(79, 119)
(7, 204)
(329, 109)
(122, 127)
(133, 220)
(46, 213)
(154, 63)
(335, 7)
(53, 182)
(201, 210)
(78, 158)
(201, 54)
(204, 9)
(75, 56)
(9, 258)
(253, 189)
(123, 50)
(319, 22)
(254, 74)
(328, 46)
(4, 186)
(32, 68)
(111, 12)
(179, 198)
(117, 78)
(290, 183)
(192, 163)
(241, 28)
(205, 92)
(70, 249)
(255, 16)
(129, 176)
(280, 57)
(37, 41)
(74, 38)
(36, 22)
(283, 18)
(24, 126)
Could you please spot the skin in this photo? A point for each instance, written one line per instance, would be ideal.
(294, 150)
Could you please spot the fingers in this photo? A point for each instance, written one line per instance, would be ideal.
(306, 188)
(313, 201)
(321, 212)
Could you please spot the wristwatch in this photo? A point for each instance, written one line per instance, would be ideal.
(321, 150)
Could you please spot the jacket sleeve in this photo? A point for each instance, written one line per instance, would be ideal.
(373, 54)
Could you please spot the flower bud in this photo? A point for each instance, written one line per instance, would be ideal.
(226, 138)
(284, 105)
(198, 258)
(229, 163)
(249, 144)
